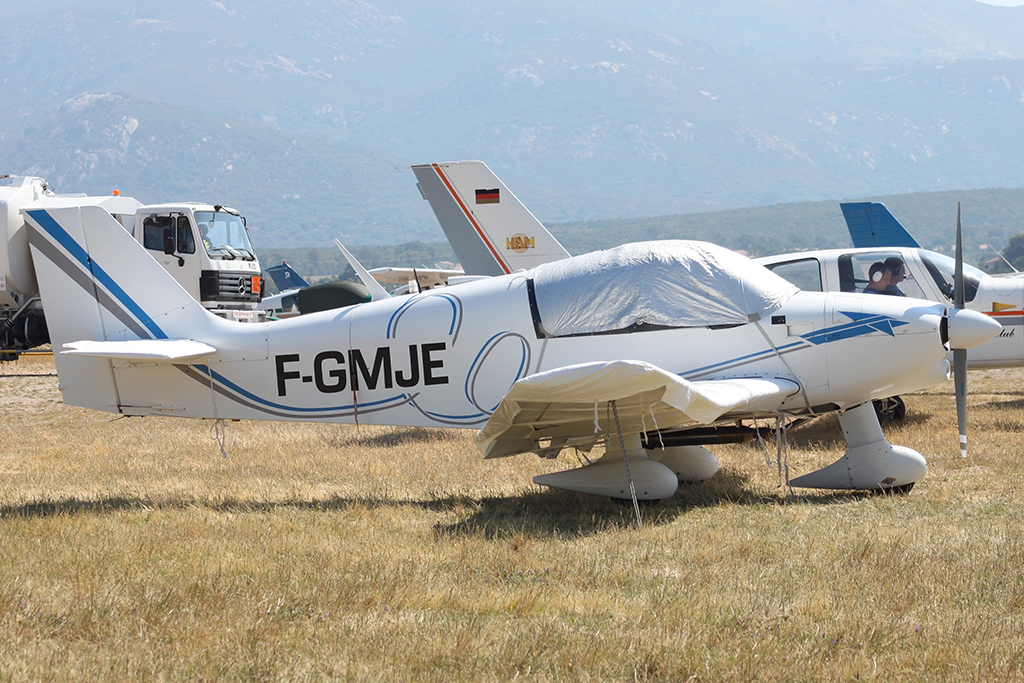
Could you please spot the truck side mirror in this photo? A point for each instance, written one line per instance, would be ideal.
(168, 241)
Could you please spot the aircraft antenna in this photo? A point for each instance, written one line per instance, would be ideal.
(1002, 257)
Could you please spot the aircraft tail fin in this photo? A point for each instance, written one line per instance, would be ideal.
(285, 277)
(490, 230)
(99, 285)
(377, 293)
(871, 225)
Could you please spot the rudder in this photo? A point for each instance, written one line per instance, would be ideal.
(490, 230)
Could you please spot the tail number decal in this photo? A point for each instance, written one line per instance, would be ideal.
(334, 371)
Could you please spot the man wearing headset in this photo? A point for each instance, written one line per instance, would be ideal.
(879, 278)
(897, 273)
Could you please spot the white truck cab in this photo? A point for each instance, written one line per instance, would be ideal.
(206, 249)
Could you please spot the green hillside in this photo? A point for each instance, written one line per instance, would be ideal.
(989, 217)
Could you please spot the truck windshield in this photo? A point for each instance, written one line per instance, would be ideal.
(224, 235)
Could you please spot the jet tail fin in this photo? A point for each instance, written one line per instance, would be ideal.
(490, 230)
(285, 277)
(871, 225)
(377, 293)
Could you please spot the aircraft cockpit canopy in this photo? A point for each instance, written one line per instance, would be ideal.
(654, 285)
(942, 267)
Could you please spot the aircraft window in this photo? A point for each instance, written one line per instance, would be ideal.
(153, 228)
(805, 273)
(854, 269)
(942, 267)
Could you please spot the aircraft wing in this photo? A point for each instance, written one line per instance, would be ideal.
(871, 225)
(428, 278)
(574, 403)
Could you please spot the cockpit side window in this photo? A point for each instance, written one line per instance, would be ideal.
(854, 271)
(804, 273)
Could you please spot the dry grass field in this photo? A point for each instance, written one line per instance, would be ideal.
(131, 550)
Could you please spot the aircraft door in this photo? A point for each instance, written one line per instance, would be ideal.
(170, 239)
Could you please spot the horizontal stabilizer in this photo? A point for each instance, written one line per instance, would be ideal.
(573, 402)
(176, 351)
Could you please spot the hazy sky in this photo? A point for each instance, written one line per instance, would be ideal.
(1003, 3)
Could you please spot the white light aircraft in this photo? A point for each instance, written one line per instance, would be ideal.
(925, 275)
(642, 345)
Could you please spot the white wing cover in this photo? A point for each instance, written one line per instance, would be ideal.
(574, 402)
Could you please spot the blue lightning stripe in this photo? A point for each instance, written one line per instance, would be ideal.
(863, 324)
(46, 221)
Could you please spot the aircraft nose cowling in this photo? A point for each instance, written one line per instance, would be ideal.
(968, 329)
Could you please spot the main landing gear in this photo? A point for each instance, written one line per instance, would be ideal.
(869, 463)
(890, 410)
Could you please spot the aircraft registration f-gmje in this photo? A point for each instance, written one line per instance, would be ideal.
(633, 347)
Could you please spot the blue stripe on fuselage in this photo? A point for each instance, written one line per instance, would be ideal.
(47, 222)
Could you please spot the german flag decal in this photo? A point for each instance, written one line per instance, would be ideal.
(487, 196)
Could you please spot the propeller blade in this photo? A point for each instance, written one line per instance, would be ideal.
(960, 386)
(960, 355)
(958, 273)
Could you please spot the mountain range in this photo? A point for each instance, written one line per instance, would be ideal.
(305, 116)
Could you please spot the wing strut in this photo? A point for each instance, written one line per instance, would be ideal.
(625, 459)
